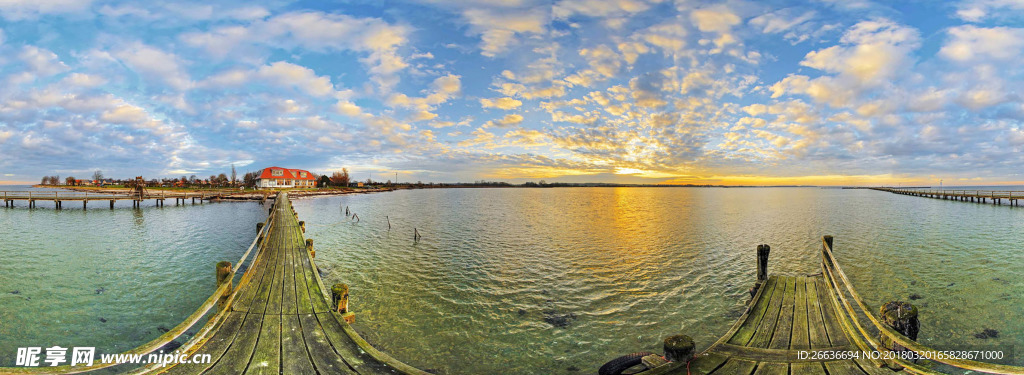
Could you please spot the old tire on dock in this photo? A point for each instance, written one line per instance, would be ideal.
(619, 365)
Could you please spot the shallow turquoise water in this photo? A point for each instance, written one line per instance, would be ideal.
(61, 272)
(633, 265)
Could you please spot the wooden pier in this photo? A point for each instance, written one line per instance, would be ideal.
(279, 319)
(58, 198)
(997, 197)
(808, 324)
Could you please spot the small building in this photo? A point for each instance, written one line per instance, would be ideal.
(277, 177)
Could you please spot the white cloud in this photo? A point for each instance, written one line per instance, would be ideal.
(598, 8)
(285, 74)
(27, 9)
(125, 114)
(155, 65)
(718, 19)
(498, 28)
(979, 10)
(501, 103)
(970, 43)
(508, 120)
(84, 80)
(780, 20)
(43, 62)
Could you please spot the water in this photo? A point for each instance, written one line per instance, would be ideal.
(637, 264)
(61, 272)
(633, 265)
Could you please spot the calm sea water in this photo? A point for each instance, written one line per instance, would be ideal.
(617, 269)
(110, 279)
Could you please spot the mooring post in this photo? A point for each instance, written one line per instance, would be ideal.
(309, 248)
(302, 225)
(339, 300)
(224, 275)
(389, 221)
(111, 204)
(762, 268)
(901, 317)
(679, 348)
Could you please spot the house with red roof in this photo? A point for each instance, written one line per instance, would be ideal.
(277, 177)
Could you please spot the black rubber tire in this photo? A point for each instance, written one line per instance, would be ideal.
(618, 365)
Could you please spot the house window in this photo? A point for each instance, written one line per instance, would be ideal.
(302, 174)
(277, 172)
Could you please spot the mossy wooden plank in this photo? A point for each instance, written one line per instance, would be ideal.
(236, 358)
(808, 368)
(772, 368)
(706, 363)
(288, 283)
(765, 329)
(295, 359)
(836, 335)
(267, 357)
(736, 367)
(303, 303)
(799, 338)
(345, 347)
(757, 312)
(259, 303)
(274, 304)
(215, 346)
(246, 295)
(320, 348)
(846, 367)
(315, 295)
(815, 322)
(871, 368)
(784, 327)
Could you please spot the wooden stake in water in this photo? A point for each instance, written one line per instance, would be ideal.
(415, 234)
(389, 222)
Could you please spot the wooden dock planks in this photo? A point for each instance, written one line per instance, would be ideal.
(280, 322)
(790, 315)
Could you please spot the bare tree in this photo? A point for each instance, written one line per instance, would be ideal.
(340, 178)
(98, 175)
(234, 175)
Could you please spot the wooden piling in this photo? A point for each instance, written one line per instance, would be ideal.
(679, 348)
(762, 262)
(309, 248)
(389, 222)
(302, 225)
(224, 275)
(259, 227)
(901, 317)
(111, 204)
(415, 234)
(339, 302)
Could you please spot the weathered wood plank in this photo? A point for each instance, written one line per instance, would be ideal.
(315, 295)
(245, 297)
(836, 335)
(236, 358)
(815, 323)
(772, 368)
(259, 303)
(809, 368)
(320, 350)
(295, 358)
(757, 312)
(846, 367)
(274, 305)
(288, 296)
(303, 303)
(799, 338)
(783, 328)
(736, 367)
(215, 346)
(706, 363)
(267, 357)
(765, 329)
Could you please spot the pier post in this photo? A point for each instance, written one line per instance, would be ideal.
(270, 211)
(339, 301)
(309, 248)
(302, 225)
(111, 204)
(901, 317)
(679, 348)
(224, 275)
(762, 262)
(259, 227)
(84, 204)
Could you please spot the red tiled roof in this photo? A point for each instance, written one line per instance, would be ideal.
(293, 174)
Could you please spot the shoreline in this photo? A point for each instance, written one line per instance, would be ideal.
(227, 195)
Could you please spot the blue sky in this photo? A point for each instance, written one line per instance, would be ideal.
(735, 92)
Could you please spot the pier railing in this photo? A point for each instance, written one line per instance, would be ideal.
(223, 296)
(992, 194)
(78, 195)
(842, 293)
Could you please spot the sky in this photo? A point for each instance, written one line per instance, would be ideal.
(827, 92)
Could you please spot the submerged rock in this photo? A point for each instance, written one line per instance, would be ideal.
(987, 333)
(101, 290)
(162, 329)
(559, 320)
(15, 292)
(522, 312)
(103, 320)
(572, 369)
(915, 296)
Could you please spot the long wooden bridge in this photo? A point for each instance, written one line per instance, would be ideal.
(280, 319)
(59, 197)
(997, 197)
